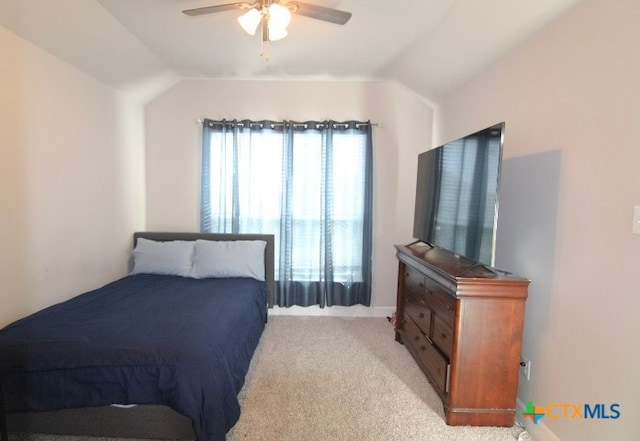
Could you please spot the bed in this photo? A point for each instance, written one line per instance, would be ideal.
(171, 334)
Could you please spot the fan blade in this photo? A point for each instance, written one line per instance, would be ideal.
(319, 12)
(217, 8)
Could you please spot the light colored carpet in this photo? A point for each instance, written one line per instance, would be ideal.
(334, 379)
(328, 378)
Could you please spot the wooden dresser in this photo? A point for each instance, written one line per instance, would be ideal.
(462, 322)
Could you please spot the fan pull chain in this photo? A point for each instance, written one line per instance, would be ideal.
(265, 42)
(265, 47)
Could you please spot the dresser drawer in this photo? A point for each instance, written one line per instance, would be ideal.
(428, 355)
(414, 280)
(442, 336)
(440, 300)
(417, 311)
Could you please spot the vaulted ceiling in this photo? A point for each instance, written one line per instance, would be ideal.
(430, 46)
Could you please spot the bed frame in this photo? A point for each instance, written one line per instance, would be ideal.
(141, 422)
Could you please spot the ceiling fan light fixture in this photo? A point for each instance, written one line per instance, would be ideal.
(279, 15)
(273, 17)
(250, 21)
(276, 32)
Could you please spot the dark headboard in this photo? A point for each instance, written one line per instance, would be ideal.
(268, 251)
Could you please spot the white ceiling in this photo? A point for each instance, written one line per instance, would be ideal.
(431, 46)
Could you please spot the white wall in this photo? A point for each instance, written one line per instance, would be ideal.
(174, 139)
(71, 179)
(571, 102)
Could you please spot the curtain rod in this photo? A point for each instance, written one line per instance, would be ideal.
(200, 121)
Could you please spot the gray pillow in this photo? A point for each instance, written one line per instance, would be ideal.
(172, 258)
(234, 258)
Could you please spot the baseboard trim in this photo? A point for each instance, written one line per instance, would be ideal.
(334, 311)
(540, 431)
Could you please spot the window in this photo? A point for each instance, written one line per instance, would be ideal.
(309, 184)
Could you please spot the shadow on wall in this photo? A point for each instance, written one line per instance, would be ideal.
(526, 233)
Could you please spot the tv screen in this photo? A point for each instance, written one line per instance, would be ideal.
(457, 195)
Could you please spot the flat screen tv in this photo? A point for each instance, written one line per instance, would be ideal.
(457, 195)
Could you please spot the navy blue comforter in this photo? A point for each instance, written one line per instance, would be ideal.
(144, 339)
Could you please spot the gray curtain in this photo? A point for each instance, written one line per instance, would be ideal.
(308, 183)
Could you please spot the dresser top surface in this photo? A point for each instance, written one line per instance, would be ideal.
(452, 265)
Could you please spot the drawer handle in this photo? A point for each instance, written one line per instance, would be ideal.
(423, 347)
(416, 338)
(450, 307)
(421, 315)
(443, 334)
(421, 284)
(430, 292)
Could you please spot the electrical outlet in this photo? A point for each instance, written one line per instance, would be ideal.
(525, 368)
(635, 229)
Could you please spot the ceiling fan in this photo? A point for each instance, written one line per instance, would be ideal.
(273, 15)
